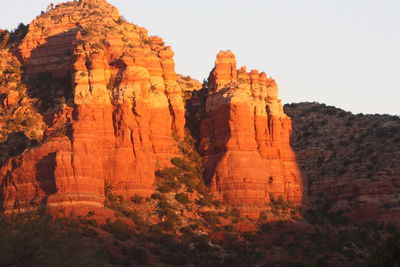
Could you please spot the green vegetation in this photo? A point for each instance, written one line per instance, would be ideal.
(182, 198)
(33, 240)
(17, 35)
(119, 229)
(22, 124)
(4, 38)
(350, 147)
(388, 254)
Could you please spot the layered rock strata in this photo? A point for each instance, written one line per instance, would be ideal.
(110, 112)
(114, 109)
(245, 139)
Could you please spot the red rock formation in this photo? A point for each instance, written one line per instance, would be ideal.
(245, 139)
(122, 115)
(114, 109)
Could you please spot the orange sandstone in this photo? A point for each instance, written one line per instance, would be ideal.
(123, 113)
(245, 139)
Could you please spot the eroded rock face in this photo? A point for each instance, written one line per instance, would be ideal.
(245, 139)
(111, 110)
(114, 109)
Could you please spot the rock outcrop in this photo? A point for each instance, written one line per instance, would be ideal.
(245, 139)
(112, 104)
(110, 110)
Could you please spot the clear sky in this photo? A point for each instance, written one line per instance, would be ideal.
(344, 53)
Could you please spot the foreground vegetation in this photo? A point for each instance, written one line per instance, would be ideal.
(39, 240)
(180, 224)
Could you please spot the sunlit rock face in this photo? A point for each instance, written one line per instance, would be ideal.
(114, 91)
(109, 110)
(245, 139)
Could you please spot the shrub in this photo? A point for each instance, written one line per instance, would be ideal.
(90, 213)
(205, 201)
(388, 254)
(86, 221)
(137, 199)
(187, 230)
(90, 232)
(120, 20)
(181, 164)
(217, 203)
(235, 213)
(40, 241)
(96, 46)
(169, 173)
(165, 205)
(190, 182)
(229, 228)
(211, 217)
(182, 198)
(171, 221)
(156, 196)
(137, 255)
(202, 188)
(135, 217)
(119, 229)
(168, 186)
(111, 199)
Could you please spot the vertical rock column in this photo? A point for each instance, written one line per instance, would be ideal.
(245, 139)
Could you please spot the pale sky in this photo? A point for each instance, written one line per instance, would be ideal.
(344, 53)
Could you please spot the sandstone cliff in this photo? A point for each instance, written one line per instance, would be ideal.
(109, 95)
(96, 125)
(244, 139)
(100, 103)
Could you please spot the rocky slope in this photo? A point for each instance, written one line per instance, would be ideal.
(350, 162)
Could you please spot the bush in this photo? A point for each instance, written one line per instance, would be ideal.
(137, 255)
(169, 173)
(186, 230)
(181, 164)
(190, 182)
(182, 198)
(165, 205)
(171, 221)
(137, 199)
(136, 218)
(156, 196)
(119, 229)
(96, 46)
(41, 241)
(168, 180)
(388, 254)
(229, 228)
(217, 203)
(235, 213)
(205, 201)
(211, 217)
(202, 188)
(168, 187)
(120, 20)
